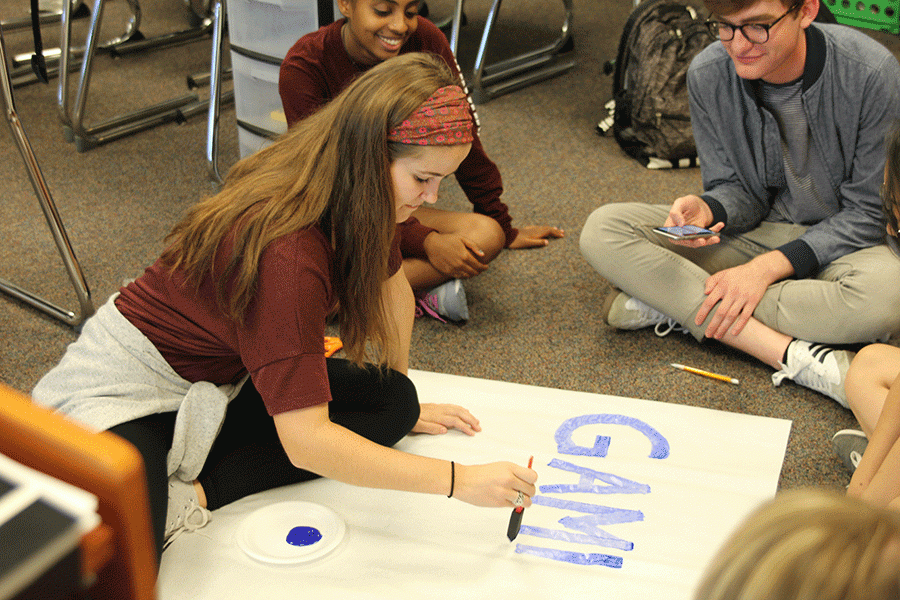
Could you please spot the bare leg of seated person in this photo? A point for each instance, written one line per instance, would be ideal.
(875, 369)
(461, 247)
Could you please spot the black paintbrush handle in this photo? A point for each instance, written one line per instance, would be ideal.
(515, 522)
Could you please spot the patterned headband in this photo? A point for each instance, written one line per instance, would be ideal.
(442, 120)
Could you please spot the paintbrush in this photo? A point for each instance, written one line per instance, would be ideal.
(515, 520)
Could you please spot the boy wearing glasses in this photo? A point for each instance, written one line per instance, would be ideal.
(789, 118)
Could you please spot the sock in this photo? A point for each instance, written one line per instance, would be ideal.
(784, 358)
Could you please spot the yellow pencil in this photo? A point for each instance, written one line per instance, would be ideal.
(706, 373)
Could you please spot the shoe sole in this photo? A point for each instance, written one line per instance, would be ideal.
(851, 432)
(607, 304)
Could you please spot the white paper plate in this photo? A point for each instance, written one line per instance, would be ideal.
(264, 533)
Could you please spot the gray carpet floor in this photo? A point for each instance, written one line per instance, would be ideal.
(534, 313)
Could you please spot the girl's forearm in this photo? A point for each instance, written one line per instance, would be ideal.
(335, 452)
(400, 305)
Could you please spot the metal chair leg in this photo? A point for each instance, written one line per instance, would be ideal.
(217, 74)
(86, 137)
(455, 22)
(215, 81)
(490, 81)
(57, 229)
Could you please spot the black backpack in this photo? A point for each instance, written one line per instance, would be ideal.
(649, 114)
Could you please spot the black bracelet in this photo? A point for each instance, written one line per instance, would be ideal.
(452, 478)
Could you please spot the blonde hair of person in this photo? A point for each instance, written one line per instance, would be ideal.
(331, 169)
(890, 193)
(809, 545)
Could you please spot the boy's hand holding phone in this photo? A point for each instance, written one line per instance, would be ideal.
(681, 225)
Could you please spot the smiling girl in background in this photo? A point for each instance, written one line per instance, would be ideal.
(439, 247)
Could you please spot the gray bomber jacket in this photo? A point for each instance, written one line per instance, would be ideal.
(851, 94)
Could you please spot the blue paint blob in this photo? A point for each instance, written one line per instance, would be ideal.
(303, 536)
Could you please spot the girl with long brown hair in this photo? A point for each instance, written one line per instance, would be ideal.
(212, 364)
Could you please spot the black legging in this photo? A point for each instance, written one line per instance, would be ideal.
(247, 456)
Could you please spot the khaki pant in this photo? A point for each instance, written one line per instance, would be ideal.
(855, 299)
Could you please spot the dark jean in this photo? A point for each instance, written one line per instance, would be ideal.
(247, 456)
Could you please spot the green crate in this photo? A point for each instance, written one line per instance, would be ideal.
(883, 15)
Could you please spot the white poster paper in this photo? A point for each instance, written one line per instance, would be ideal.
(634, 498)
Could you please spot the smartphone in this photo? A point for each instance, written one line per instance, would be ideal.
(684, 232)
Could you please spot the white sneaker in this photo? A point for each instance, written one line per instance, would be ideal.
(444, 302)
(184, 512)
(624, 312)
(818, 367)
(849, 444)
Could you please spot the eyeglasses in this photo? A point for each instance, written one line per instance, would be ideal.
(756, 33)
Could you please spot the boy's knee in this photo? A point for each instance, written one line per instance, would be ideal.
(599, 229)
(883, 320)
(608, 220)
(588, 239)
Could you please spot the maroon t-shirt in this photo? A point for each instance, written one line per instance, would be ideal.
(280, 342)
(317, 68)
